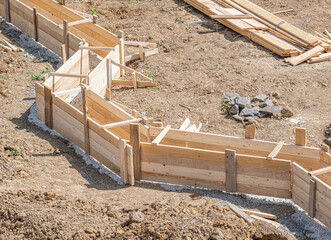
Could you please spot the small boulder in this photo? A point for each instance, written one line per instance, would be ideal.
(234, 110)
(286, 112)
(242, 102)
(260, 98)
(266, 104)
(248, 112)
(238, 118)
(271, 110)
(136, 217)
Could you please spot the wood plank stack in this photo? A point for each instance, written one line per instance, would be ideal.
(265, 28)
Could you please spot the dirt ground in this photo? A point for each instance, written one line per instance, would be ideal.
(197, 70)
(48, 192)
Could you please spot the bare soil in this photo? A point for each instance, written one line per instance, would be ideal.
(48, 192)
(197, 70)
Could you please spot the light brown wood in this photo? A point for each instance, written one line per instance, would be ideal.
(96, 48)
(276, 224)
(260, 214)
(7, 10)
(135, 85)
(129, 165)
(63, 53)
(320, 171)
(307, 55)
(321, 58)
(312, 198)
(283, 11)
(229, 16)
(123, 161)
(135, 143)
(131, 70)
(122, 51)
(276, 150)
(122, 123)
(70, 24)
(131, 83)
(66, 37)
(141, 53)
(300, 136)
(325, 148)
(240, 213)
(250, 131)
(230, 171)
(185, 124)
(60, 74)
(63, 2)
(86, 120)
(162, 134)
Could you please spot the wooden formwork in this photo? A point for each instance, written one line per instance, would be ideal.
(74, 102)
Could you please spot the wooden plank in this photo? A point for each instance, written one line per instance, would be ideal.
(135, 143)
(131, 83)
(86, 121)
(7, 10)
(300, 136)
(307, 55)
(131, 70)
(122, 123)
(321, 58)
(96, 48)
(276, 150)
(250, 131)
(35, 23)
(230, 16)
(185, 124)
(135, 56)
(312, 198)
(230, 171)
(63, 53)
(276, 224)
(72, 75)
(122, 51)
(320, 171)
(77, 22)
(48, 107)
(123, 161)
(162, 134)
(260, 214)
(129, 165)
(240, 213)
(66, 37)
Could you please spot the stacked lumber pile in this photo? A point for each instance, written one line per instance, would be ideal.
(265, 28)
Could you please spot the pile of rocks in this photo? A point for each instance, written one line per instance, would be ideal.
(244, 109)
(328, 135)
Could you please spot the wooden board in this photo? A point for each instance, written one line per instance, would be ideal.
(323, 202)
(300, 191)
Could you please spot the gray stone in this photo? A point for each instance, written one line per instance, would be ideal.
(250, 118)
(243, 102)
(234, 110)
(260, 98)
(226, 100)
(261, 114)
(234, 95)
(271, 110)
(328, 141)
(266, 103)
(238, 118)
(136, 217)
(248, 112)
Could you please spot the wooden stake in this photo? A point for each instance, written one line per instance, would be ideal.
(64, 55)
(240, 213)
(95, 19)
(135, 143)
(35, 23)
(230, 171)
(141, 53)
(122, 55)
(123, 167)
(300, 136)
(109, 79)
(276, 150)
(134, 80)
(48, 107)
(250, 131)
(129, 165)
(7, 10)
(86, 122)
(63, 2)
(325, 147)
(66, 38)
(312, 198)
(260, 214)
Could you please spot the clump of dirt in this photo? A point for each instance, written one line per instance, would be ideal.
(69, 218)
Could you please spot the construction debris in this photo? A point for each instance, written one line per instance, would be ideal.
(265, 28)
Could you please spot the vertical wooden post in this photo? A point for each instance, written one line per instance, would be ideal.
(7, 10)
(230, 171)
(63, 2)
(141, 53)
(129, 165)
(95, 19)
(250, 131)
(312, 198)
(123, 167)
(135, 143)
(53, 84)
(66, 37)
(86, 122)
(122, 55)
(300, 136)
(35, 23)
(48, 107)
(63, 52)
(135, 85)
(109, 79)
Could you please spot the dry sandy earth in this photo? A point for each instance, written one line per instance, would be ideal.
(47, 191)
(199, 70)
